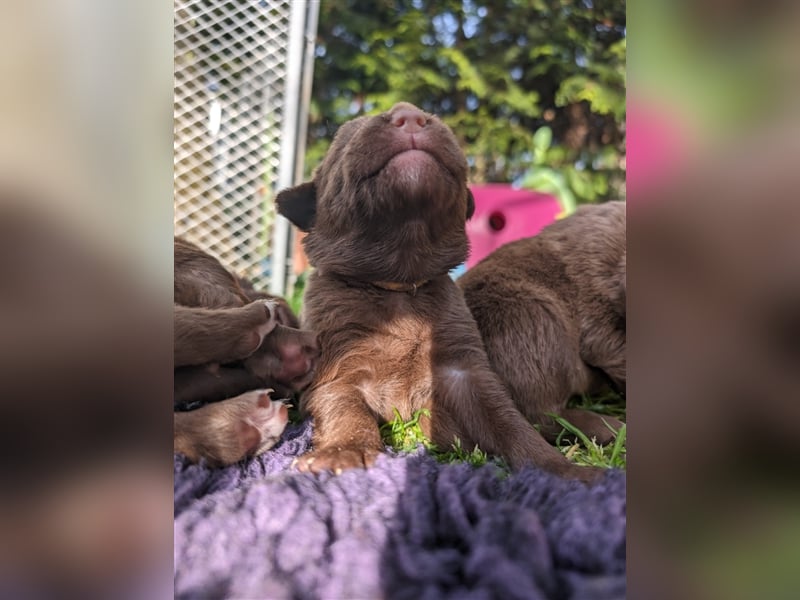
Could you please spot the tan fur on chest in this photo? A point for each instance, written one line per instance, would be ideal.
(391, 364)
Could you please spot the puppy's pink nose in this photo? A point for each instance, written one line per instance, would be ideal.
(410, 120)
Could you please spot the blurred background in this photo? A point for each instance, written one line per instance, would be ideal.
(497, 72)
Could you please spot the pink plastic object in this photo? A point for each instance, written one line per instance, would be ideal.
(504, 214)
(658, 143)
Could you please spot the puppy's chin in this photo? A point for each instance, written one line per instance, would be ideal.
(415, 174)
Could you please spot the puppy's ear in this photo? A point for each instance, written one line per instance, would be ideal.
(470, 204)
(299, 205)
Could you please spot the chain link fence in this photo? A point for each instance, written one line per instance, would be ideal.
(240, 106)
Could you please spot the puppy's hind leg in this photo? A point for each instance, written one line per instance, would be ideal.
(226, 432)
(604, 350)
(602, 428)
(535, 350)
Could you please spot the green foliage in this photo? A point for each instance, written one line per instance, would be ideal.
(546, 179)
(296, 299)
(475, 457)
(498, 72)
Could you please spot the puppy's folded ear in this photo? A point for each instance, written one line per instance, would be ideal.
(470, 204)
(299, 205)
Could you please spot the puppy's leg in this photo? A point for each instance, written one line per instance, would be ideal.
(346, 433)
(604, 350)
(225, 432)
(203, 384)
(284, 314)
(535, 349)
(473, 405)
(223, 335)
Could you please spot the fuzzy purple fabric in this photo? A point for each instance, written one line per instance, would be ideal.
(408, 527)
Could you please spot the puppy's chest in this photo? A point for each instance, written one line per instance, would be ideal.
(391, 365)
(401, 347)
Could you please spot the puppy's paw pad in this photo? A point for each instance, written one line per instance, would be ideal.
(261, 421)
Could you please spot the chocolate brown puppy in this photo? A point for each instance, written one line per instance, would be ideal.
(551, 312)
(200, 385)
(231, 354)
(385, 216)
(222, 335)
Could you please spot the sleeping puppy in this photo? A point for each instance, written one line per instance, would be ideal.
(385, 216)
(230, 354)
(551, 312)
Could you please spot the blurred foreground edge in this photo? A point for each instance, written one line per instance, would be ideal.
(714, 360)
(85, 366)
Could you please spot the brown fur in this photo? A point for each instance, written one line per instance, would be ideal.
(219, 321)
(202, 384)
(388, 205)
(225, 345)
(223, 433)
(221, 335)
(551, 312)
(201, 281)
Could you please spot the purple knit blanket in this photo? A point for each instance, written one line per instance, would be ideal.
(408, 527)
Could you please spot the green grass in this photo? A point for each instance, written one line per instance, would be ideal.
(295, 300)
(581, 450)
(407, 436)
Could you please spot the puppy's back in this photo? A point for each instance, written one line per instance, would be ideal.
(571, 260)
(202, 281)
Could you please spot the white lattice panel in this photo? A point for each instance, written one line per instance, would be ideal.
(230, 92)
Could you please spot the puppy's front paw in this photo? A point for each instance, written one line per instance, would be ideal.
(336, 459)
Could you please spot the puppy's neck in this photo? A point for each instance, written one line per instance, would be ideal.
(398, 286)
(389, 286)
